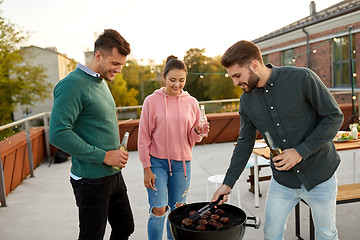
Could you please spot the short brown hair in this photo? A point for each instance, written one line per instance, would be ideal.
(242, 53)
(112, 39)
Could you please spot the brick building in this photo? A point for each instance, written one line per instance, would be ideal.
(322, 41)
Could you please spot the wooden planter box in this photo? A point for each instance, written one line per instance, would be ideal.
(224, 127)
(14, 156)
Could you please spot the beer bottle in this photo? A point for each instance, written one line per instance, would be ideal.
(273, 149)
(123, 146)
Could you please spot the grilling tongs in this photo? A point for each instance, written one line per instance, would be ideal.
(195, 216)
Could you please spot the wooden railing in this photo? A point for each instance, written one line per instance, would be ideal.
(21, 153)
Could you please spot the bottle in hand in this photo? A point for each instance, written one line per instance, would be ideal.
(273, 149)
(203, 123)
(123, 146)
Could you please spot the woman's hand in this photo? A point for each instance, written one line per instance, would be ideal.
(149, 178)
(198, 128)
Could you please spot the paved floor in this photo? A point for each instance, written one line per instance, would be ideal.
(43, 207)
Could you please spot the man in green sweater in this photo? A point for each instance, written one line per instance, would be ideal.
(84, 124)
(302, 117)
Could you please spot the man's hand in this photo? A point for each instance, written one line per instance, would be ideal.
(116, 158)
(149, 178)
(288, 159)
(222, 190)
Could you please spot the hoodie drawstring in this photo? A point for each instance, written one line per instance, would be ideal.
(166, 137)
(181, 138)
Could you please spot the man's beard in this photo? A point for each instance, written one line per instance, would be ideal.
(104, 76)
(104, 73)
(252, 82)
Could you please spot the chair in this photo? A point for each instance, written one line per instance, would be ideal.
(218, 180)
(262, 162)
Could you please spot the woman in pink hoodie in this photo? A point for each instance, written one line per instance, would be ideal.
(168, 130)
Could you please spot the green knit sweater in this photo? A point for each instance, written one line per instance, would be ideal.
(84, 124)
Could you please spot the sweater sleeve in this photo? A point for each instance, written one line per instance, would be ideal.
(144, 135)
(68, 103)
(193, 136)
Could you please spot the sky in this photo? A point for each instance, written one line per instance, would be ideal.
(155, 29)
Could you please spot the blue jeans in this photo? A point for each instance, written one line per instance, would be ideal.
(169, 191)
(281, 200)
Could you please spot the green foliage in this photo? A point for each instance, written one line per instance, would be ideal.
(145, 79)
(123, 96)
(4, 134)
(20, 83)
(218, 86)
(196, 62)
(149, 87)
(130, 72)
(214, 85)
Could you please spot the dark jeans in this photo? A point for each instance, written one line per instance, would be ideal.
(100, 200)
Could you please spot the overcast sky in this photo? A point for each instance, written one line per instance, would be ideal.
(154, 28)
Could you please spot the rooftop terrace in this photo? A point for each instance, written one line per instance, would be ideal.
(43, 207)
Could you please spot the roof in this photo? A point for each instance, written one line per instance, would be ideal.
(48, 49)
(341, 8)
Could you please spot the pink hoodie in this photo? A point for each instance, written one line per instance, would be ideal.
(166, 128)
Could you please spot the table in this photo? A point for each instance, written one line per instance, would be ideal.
(265, 153)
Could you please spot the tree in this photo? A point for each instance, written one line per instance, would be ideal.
(142, 78)
(196, 62)
(219, 85)
(20, 83)
(206, 79)
(122, 95)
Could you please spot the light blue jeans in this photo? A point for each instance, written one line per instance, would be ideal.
(169, 191)
(321, 199)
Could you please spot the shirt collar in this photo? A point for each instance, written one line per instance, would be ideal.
(88, 70)
(273, 76)
(270, 82)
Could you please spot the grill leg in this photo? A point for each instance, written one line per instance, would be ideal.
(297, 221)
(312, 228)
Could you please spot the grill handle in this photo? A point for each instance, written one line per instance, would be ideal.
(256, 224)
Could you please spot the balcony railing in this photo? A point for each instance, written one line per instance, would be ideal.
(14, 151)
(24, 151)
